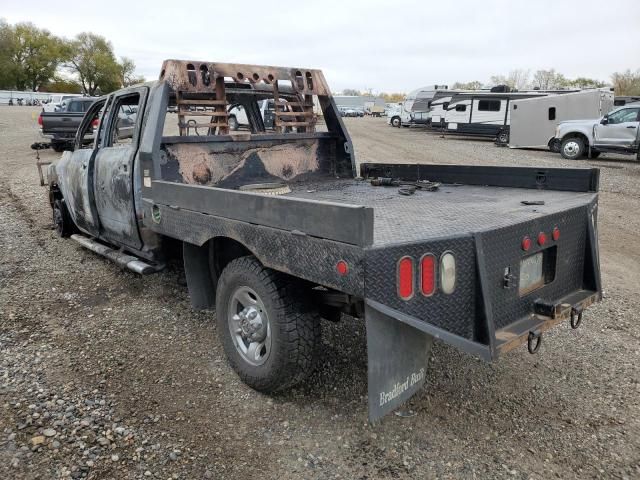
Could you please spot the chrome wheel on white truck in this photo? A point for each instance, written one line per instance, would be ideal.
(572, 148)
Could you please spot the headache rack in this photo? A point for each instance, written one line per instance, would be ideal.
(207, 90)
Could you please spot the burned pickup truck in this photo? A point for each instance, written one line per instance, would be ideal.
(281, 228)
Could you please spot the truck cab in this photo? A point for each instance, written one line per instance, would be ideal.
(616, 132)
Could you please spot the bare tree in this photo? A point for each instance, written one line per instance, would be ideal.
(473, 85)
(517, 79)
(626, 83)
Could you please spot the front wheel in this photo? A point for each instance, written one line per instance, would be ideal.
(503, 137)
(269, 331)
(62, 220)
(572, 148)
(395, 122)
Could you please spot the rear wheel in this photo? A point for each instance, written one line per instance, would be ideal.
(395, 122)
(503, 137)
(572, 148)
(61, 219)
(269, 331)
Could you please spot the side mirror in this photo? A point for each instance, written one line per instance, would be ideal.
(605, 120)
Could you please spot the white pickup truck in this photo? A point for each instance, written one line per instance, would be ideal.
(617, 132)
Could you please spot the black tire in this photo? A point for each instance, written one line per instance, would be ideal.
(293, 324)
(572, 148)
(396, 122)
(62, 222)
(58, 147)
(503, 137)
(555, 145)
(233, 123)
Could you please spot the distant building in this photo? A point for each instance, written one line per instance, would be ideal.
(363, 102)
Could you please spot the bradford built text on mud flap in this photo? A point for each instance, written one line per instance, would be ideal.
(399, 388)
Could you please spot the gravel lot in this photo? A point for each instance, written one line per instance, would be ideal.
(105, 374)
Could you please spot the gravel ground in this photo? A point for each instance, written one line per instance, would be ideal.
(108, 375)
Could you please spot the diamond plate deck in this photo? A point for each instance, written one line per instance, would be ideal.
(453, 210)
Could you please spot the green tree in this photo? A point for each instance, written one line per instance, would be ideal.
(582, 82)
(473, 85)
(7, 68)
(128, 75)
(626, 83)
(62, 85)
(35, 55)
(92, 59)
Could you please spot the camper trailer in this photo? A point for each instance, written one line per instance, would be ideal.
(482, 114)
(534, 120)
(439, 105)
(414, 110)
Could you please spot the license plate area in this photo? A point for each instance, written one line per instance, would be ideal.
(537, 270)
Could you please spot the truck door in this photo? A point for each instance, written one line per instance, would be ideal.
(114, 168)
(620, 128)
(76, 169)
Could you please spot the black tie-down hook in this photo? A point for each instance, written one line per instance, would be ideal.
(534, 341)
(576, 317)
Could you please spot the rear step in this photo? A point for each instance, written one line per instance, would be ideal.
(120, 258)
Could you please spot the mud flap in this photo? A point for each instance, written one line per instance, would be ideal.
(202, 289)
(397, 356)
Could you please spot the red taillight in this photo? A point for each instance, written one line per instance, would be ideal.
(342, 267)
(526, 243)
(555, 234)
(405, 278)
(542, 238)
(428, 274)
(39, 119)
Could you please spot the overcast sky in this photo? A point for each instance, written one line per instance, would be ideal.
(383, 45)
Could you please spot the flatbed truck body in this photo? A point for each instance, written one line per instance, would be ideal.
(485, 259)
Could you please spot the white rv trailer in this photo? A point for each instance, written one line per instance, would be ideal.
(414, 110)
(439, 104)
(534, 120)
(482, 114)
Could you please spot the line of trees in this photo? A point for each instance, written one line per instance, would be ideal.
(32, 58)
(624, 83)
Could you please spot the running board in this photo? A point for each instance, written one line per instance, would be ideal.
(120, 258)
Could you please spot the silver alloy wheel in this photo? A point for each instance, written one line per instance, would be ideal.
(571, 149)
(249, 326)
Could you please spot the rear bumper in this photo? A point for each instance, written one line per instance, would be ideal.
(508, 338)
(536, 324)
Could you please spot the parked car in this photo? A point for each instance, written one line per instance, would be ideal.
(54, 102)
(60, 126)
(616, 132)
